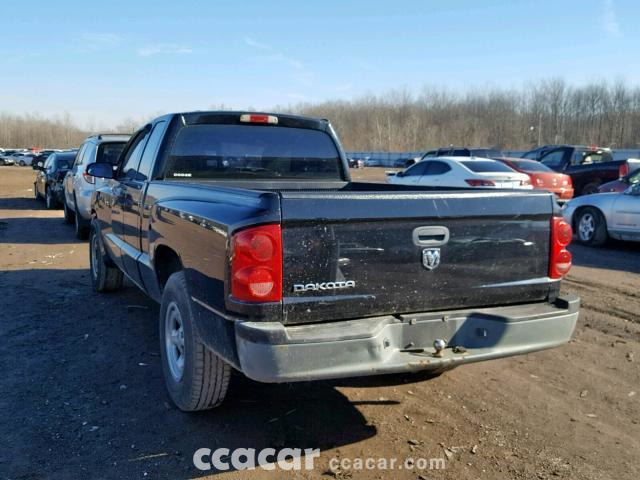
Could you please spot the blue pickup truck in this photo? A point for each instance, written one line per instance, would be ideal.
(267, 258)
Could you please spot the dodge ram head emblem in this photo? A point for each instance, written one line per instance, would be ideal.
(430, 258)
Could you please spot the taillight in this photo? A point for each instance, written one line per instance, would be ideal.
(88, 178)
(624, 170)
(256, 264)
(480, 183)
(539, 182)
(560, 259)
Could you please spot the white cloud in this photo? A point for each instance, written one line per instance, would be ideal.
(163, 49)
(252, 43)
(94, 41)
(610, 19)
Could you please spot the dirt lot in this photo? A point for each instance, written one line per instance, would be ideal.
(83, 396)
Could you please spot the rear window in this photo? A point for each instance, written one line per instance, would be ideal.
(110, 152)
(215, 151)
(482, 166)
(531, 166)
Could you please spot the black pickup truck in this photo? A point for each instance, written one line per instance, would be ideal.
(266, 258)
(588, 167)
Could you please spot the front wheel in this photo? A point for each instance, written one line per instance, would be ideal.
(196, 378)
(104, 277)
(591, 227)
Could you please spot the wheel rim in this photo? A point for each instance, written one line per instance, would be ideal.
(174, 341)
(95, 257)
(586, 227)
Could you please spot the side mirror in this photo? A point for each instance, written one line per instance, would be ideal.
(100, 170)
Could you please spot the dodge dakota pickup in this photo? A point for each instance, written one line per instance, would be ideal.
(267, 258)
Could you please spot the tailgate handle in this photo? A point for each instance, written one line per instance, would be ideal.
(430, 236)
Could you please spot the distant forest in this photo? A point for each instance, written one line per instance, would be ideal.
(549, 111)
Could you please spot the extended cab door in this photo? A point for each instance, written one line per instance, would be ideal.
(126, 191)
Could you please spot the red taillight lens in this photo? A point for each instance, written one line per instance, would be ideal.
(480, 183)
(89, 178)
(256, 264)
(560, 261)
(258, 118)
(624, 169)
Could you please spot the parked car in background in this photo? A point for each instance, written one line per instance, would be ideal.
(461, 172)
(464, 152)
(542, 177)
(597, 217)
(6, 157)
(50, 178)
(266, 258)
(622, 183)
(588, 167)
(23, 158)
(78, 186)
(41, 156)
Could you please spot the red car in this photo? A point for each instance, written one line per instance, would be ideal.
(542, 177)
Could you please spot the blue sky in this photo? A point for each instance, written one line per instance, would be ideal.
(103, 62)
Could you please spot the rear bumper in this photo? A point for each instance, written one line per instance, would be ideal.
(272, 352)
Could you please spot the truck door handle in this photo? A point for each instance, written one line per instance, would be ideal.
(430, 236)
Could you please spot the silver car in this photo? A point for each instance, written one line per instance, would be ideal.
(594, 218)
(78, 186)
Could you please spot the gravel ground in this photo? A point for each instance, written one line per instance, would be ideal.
(83, 395)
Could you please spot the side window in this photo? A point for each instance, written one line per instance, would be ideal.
(150, 151)
(553, 159)
(129, 169)
(437, 168)
(89, 154)
(417, 170)
(78, 160)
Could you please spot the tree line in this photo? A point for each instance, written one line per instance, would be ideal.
(546, 112)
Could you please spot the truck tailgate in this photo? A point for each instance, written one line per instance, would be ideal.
(349, 254)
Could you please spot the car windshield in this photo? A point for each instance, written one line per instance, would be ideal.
(109, 152)
(634, 177)
(483, 166)
(531, 166)
(215, 151)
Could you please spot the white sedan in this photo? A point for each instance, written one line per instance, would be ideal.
(461, 172)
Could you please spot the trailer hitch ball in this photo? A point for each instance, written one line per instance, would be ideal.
(438, 346)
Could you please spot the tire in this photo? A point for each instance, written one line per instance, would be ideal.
(21, 163)
(81, 230)
(591, 227)
(69, 216)
(590, 188)
(49, 200)
(196, 378)
(104, 278)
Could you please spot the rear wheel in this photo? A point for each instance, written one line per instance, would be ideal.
(590, 188)
(68, 214)
(591, 227)
(196, 378)
(81, 229)
(21, 163)
(104, 278)
(49, 200)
